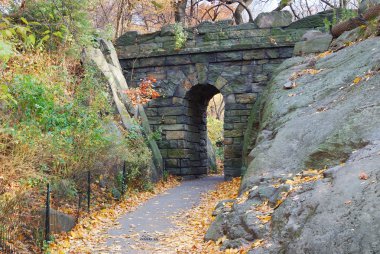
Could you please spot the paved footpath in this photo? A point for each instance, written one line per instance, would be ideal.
(140, 230)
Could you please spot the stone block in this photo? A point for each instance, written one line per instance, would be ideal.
(182, 119)
(173, 127)
(172, 163)
(228, 126)
(148, 48)
(151, 112)
(254, 54)
(203, 58)
(229, 44)
(233, 151)
(201, 72)
(220, 82)
(213, 75)
(246, 98)
(185, 163)
(235, 106)
(164, 153)
(171, 111)
(233, 133)
(128, 52)
(270, 68)
(230, 99)
(206, 27)
(167, 119)
(177, 101)
(242, 112)
(286, 52)
(174, 171)
(178, 153)
(211, 37)
(232, 72)
(175, 135)
(230, 56)
(151, 61)
(233, 162)
(164, 144)
(162, 39)
(316, 45)
(232, 119)
(182, 144)
(231, 172)
(273, 19)
(177, 60)
(228, 141)
(128, 38)
(272, 53)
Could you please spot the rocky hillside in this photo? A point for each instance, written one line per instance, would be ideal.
(312, 184)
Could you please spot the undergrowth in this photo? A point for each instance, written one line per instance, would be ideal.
(57, 119)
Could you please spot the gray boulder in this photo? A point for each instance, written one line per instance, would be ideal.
(328, 122)
(311, 34)
(59, 222)
(273, 19)
(316, 44)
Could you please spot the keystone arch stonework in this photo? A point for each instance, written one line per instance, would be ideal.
(236, 61)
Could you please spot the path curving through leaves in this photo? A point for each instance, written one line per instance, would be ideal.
(143, 230)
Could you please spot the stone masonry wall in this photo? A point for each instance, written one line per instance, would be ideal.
(236, 61)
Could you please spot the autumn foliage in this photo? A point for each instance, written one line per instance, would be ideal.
(144, 93)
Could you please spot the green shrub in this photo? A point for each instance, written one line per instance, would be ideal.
(215, 133)
(64, 188)
(180, 36)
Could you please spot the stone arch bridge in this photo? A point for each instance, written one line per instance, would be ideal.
(236, 61)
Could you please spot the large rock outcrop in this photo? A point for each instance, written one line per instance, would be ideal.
(107, 62)
(329, 119)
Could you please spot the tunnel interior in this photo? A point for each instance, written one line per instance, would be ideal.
(198, 98)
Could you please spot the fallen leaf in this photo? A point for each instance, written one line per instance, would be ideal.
(357, 80)
(363, 176)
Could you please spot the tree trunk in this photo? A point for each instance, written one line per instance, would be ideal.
(238, 14)
(180, 10)
(119, 16)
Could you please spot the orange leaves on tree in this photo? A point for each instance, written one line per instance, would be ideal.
(144, 93)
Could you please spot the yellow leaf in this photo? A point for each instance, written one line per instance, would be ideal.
(357, 80)
(264, 218)
(257, 243)
(324, 54)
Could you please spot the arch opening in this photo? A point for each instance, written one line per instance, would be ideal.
(200, 146)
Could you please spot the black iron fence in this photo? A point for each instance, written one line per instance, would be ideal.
(50, 219)
(84, 203)
(6, 246)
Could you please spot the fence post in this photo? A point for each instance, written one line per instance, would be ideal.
(164, 172)
(79, 205)
(124, 179)
(47, 215)
(88, 190)
(2, 239)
